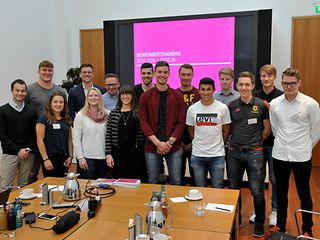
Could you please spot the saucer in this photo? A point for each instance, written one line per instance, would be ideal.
(192, 198)
(27, 198)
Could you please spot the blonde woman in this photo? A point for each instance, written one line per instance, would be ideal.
(54, 138)
(89, 136)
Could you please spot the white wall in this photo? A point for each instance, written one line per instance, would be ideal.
(34, 30)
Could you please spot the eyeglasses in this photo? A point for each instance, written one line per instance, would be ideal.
(111, 85)
(291, 84)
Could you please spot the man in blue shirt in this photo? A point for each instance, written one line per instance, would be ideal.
(227, 93)
(110, 98)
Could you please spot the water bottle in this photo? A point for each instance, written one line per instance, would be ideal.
(18, 210)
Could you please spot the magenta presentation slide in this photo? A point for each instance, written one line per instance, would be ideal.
(206, 44)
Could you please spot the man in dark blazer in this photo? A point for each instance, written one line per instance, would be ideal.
(77, 95)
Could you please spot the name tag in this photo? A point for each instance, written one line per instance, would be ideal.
(56, 126)
(252, 121)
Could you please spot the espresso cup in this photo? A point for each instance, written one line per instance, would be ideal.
(194, 193)
(27, 193)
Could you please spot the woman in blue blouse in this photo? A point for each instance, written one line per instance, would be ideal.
(54, 137)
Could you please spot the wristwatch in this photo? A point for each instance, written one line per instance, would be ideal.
(29, 150)
(171, 141)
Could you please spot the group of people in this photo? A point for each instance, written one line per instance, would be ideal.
(127, 131)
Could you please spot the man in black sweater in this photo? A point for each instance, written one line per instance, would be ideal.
(17, 136)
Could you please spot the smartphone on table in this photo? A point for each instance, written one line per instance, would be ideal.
(47, 216)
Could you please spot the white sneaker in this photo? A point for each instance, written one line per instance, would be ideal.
(252, 218)
(273, 218)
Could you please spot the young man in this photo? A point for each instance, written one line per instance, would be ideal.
(110, 98)
(190, 96)
(162, 117)
(146, 72)
(17, 136)
(268, 74)
(77, 95)
(250, 126)
(208, 124)
(227, 93)
(295, 122)
(37, 97)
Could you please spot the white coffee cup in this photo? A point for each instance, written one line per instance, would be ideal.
(161, 236)
(142, 237)
(194, 193)
(27, 193)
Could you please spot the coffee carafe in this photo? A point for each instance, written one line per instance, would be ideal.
(71, 190)
(155, 218)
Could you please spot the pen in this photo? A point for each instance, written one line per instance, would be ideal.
(223, 209)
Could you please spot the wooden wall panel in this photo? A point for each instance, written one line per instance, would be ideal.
(92, 51)
(306, 58)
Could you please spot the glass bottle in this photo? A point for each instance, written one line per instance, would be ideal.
(155, 196)
(11, 219)
(164, 201)
(3, 218)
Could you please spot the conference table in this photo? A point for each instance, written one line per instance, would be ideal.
(111, 221)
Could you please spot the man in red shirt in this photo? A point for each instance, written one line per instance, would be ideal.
(162, 117)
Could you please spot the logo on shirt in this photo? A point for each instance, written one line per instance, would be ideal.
(254, 109)
(188, 99)
(206, 119)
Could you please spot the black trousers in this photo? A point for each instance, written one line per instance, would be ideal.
(59, 170)
(301, 172)
(129, 163)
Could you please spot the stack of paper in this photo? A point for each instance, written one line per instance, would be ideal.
(121, 182)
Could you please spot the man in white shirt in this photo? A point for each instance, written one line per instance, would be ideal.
(208, 123)
(295, 122)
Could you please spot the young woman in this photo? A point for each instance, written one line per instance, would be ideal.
(54, 139)
(124, 139)
(89, 137)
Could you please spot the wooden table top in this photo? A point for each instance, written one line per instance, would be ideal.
(117, 209)
(119, 231)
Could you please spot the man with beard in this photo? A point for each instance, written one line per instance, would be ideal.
(146, 77)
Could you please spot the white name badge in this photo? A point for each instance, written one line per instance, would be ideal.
(252, 121)
(56, 126)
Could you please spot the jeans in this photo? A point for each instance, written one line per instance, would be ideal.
(97, 168)
(173, 160)
(201, 166)
(251, 161)
(186, 157)
(301, 173)
(267, 155)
